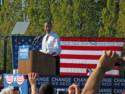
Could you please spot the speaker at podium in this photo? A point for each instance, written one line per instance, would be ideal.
(35, 61)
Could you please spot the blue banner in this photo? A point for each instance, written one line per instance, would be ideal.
(109, 85)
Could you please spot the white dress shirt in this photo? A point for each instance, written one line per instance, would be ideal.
(51, 44)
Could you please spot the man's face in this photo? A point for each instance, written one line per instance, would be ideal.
(47, 27)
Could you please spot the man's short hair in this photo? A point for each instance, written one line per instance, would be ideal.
(46, 89)
(49, 22)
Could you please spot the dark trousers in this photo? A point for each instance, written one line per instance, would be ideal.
(57, 64)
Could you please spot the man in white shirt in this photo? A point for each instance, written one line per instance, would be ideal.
(51, 44)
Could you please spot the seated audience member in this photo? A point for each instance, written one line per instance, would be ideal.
(44, 89)
(106, 63)
(73, 89)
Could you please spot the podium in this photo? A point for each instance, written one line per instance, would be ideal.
(38, 62)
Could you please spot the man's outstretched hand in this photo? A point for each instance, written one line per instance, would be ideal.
(107, 61)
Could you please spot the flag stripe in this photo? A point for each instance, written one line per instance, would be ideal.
(78, 72)
(72, 74)
(85, 52)
(92, 39)
(82, 71)
(96, 48)
(80, 56)
(70, 65)
(72, 43)
(112, 72)
(78, 61)
(74, 70)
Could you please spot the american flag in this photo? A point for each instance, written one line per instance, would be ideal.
(80, 55)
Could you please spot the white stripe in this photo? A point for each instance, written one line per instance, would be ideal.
(85, 52)
(76, 43)
(114, 72)
(79, 61)
(73, 70)
(83, 70)
(111, 72)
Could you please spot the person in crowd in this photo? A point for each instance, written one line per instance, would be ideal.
(73, 89)
(32, 77)
(106, 63)
(10, 90)
(44, 88)
(51, 43)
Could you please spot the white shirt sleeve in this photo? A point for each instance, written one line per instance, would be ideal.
(56, 49)
(54, 45)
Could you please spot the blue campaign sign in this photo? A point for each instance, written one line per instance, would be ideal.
(23, 52)
(17, 80)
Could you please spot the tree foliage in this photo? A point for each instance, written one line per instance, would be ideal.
(121, 21)
(110, 15)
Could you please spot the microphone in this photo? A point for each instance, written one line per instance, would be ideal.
(36, 42)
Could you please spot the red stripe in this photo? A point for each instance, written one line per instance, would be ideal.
(80, 56)
(72, 74)
(116, 68)
(114, 75)
(92, 39)
(71, 65)
(97, 48)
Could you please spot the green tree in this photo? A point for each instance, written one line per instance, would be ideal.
(121, 20)
(37, 12)
(76, 17)
(110, 14)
